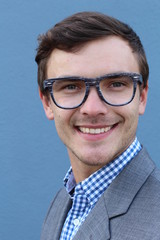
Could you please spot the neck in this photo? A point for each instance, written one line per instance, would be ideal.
(81, 170)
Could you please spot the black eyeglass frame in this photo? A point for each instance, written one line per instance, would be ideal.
(94, 82)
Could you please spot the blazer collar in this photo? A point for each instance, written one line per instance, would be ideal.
(116, 199)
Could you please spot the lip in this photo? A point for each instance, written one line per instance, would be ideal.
(95, 133)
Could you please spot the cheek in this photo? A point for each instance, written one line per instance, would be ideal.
(133, 121)
(62, 120)
(60, 126)
(130, 115)
(128, 127)
(59, 123)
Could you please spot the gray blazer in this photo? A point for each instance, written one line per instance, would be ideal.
(128, 210)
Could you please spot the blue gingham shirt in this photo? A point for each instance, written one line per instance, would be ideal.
(86, 193)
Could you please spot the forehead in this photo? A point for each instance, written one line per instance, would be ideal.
(98, 57)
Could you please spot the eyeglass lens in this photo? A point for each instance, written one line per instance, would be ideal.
(115, 90)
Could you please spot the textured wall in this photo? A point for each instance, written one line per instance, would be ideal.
(33, 161)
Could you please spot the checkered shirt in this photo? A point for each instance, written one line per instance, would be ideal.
(87, 192)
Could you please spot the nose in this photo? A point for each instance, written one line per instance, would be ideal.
(94, 105)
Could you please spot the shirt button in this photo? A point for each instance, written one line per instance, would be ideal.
(76, 222)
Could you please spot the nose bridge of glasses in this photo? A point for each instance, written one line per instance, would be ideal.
(94, 82)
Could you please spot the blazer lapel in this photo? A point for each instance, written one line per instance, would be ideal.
(56, 216)
(116, 199)
(124, 188)
(96, 225)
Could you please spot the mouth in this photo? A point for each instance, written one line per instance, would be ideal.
(95, 131)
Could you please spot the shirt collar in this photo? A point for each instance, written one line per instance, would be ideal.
(69, 181)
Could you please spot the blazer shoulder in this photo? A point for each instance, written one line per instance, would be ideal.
(153, 183)
(151, 187)
(156, 175)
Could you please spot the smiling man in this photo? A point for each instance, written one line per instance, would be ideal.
(93, 82)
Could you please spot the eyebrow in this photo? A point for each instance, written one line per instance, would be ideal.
(77, 76)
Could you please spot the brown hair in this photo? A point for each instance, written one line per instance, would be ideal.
(74, 31)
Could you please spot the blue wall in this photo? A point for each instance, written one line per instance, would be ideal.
(33, 161)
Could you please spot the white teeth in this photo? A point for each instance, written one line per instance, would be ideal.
(94, 130)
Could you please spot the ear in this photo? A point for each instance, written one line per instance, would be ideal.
(46, 105)
(143, 99)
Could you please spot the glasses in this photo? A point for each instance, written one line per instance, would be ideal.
(117, 89)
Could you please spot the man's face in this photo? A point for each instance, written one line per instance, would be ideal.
(111, 129)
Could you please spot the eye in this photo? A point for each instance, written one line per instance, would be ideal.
(71, 86)
(117, 84)
(120, 82)
(68, 86)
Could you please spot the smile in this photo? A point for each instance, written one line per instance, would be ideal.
(94, 130)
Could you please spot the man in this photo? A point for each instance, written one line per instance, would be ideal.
(93, 82)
